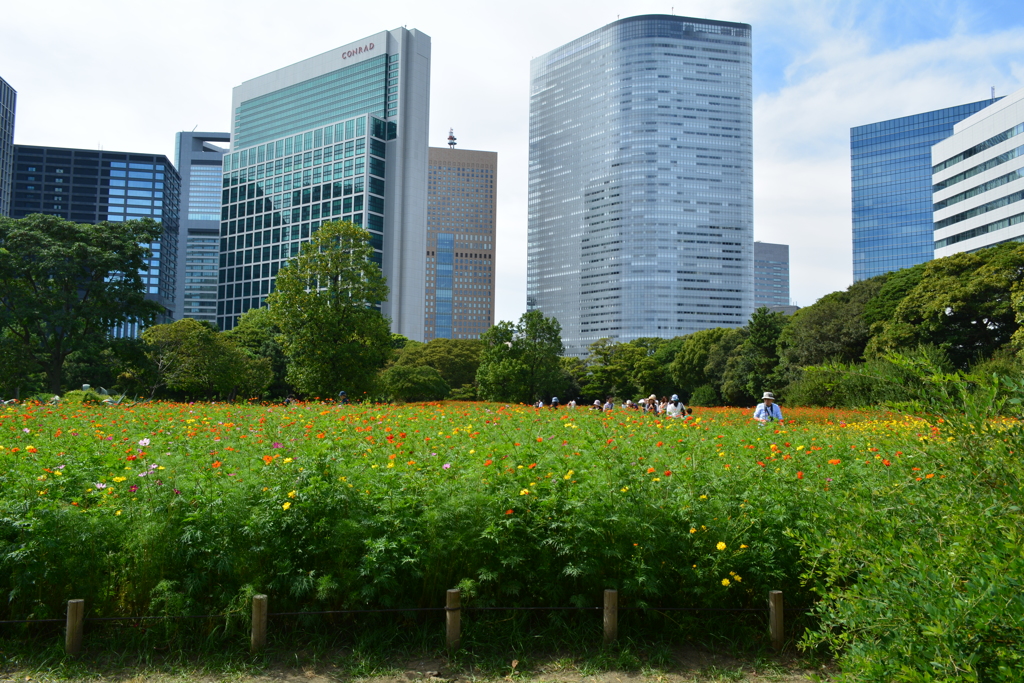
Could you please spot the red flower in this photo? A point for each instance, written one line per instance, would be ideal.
(533, 465)
(487, 463)
(216, 463)
(760, 463)
(660, 443)
(649, 470)
(886, 463)
(799, 475)
(668, 473)
(508, 512)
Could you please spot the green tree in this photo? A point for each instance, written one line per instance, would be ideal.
(324, 304)
(759, 356)
(64, 285)
(833, 328)
(191, 358)
(689, 369)
(258, 335)
(895, 287)
(963, 305)
(414, 383)
(721, 371)
(457, 360)
(520, 362)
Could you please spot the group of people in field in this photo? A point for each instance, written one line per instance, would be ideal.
(766, 411)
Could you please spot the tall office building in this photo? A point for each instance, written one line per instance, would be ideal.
(979, 180)
(88, 186)
(8, 100)
(641, 180)
(460, 243)
(771, 275)
(199, 158)
(339, 136)
(892, 188)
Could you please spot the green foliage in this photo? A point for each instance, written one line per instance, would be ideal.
(414, 383)
(191, 358)
(520, 362)
(705, 395)
(962, 304)
(916, 584)
(259, 336)
(64, 285)
(331, 333)
(456, 360)
(628, 369)
(834, 328)
(81, 397)
(688, 367)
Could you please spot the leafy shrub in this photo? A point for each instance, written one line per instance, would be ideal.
(705, 395)
(80, 397)
(467, 392)
(414, 383)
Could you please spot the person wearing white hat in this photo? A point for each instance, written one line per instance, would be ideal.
(767, 410)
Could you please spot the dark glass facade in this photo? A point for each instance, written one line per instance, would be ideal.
(87, 186)
(199, 160)
(8, 100)
(891, 168)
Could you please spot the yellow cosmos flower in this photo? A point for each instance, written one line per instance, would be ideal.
(292, 494)
(725, 582)
(286, 506)
(720, 546)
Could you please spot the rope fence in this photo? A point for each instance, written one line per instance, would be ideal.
(453, 610)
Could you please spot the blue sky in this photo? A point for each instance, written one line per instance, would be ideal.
(126, 75)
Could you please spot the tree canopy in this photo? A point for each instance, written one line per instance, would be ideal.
(65, 285)
(520, 361)
(325, 305)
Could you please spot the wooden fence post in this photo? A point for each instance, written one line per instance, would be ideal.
(73, 637)
(453, 618)
(259, 622)
(775, 623)
(611, 616)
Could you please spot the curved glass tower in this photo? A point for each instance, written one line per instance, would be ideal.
(641, 180)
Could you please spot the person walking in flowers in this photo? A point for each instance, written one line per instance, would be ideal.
(767, 410)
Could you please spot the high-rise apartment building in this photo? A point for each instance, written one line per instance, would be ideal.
(892, 188)
(8, 100)
(978, 180)
(771, 275)
(199, 157)
(88, 186)
(460, 243)
(641, 180)
(339, 136)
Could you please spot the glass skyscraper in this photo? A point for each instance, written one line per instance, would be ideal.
(771, 274)
(641, 180)
(199, 158)
(89, 186)
(339, 136)
(891, 168)
(460, 243)
(8, 100)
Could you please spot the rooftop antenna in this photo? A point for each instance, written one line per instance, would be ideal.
(194, 128)
(993, 93)
(451, 138)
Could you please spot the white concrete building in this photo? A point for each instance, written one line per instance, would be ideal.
(978, 180)
(338, 136)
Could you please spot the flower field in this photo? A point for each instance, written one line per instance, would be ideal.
(180, 508)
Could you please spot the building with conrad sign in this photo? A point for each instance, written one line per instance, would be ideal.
(641, 180)
(338, 136)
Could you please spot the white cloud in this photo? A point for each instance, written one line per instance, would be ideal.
(801, 138)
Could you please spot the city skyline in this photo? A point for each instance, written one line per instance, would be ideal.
(818, 70)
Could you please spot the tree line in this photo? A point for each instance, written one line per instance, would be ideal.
(65, 286)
